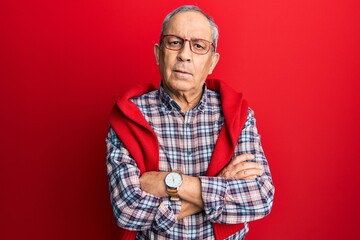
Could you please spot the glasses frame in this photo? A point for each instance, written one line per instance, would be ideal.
(185, 39)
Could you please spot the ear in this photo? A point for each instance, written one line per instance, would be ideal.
(157, 53)
(214, 60)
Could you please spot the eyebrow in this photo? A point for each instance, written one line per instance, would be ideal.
(193, 38)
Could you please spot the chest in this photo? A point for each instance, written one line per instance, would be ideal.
(186, 141)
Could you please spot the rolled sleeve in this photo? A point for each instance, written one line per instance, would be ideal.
(234, 201)
(213, 194)
(165, 218)
(133, 208)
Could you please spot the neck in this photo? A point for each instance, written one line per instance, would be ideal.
(186, 100)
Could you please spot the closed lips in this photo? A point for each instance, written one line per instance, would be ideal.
(180, 71)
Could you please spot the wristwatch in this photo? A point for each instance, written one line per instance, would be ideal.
(173, 181)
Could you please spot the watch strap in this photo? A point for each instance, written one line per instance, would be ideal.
(174, 195)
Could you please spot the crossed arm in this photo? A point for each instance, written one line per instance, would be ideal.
(243, 190)
(190, 191)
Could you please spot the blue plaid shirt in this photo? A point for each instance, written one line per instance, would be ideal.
(186, 143)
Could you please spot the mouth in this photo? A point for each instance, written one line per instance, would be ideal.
(182, 72)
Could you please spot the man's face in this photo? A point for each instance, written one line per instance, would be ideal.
(184, 71)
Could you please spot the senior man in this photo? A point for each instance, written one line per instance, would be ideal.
(185, 160)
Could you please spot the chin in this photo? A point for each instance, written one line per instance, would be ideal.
(181, 85)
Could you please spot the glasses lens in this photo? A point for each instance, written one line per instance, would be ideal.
(173, 42)
(200, 46)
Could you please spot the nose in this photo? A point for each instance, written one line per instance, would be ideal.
(185, 53)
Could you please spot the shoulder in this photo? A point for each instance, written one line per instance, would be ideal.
(147, 100)
(213, 99)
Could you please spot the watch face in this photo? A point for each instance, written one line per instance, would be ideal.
(173, 180)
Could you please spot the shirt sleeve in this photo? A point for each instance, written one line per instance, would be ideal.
(133, 208)
(235, 201)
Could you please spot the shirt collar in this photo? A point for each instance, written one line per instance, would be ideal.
(171, 105)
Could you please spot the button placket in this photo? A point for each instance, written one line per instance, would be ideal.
(188, 137)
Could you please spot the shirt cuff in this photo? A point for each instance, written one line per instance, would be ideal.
(213, 194)
(165, 218)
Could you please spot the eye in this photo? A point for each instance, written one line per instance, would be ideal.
(174, 43)
(198, 44)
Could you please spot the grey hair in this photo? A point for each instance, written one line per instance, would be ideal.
(188, 8)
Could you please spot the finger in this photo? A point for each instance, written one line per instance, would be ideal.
(251, 177)
(246, 165)
(231, 171)
(242, 174)
(249, 172)
(242, 158)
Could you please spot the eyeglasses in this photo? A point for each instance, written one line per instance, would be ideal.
(176, 43)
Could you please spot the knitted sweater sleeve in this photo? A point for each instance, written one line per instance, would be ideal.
(235, 201)
(133, 208)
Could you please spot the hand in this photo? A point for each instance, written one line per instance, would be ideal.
(153, 182)
(239, 168)
(187, 209)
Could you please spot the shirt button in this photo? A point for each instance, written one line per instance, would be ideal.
(189, 153)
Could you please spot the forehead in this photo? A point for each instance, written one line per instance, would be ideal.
(189, 24)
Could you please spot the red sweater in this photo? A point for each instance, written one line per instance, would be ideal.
(142, 143)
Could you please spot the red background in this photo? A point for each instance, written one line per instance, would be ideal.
(63, 62)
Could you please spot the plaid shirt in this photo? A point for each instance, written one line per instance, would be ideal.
(186, 143)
